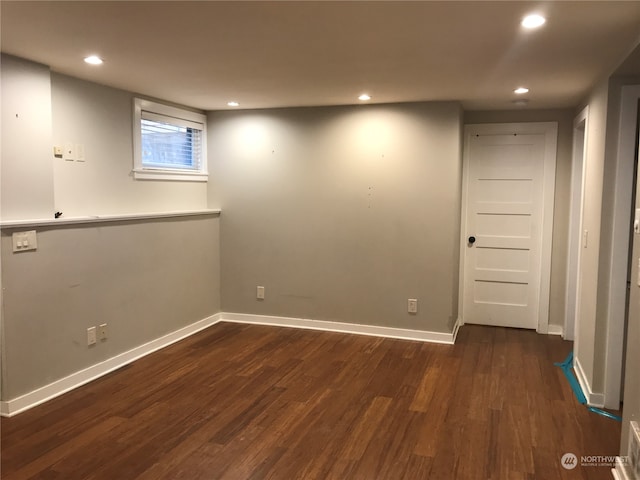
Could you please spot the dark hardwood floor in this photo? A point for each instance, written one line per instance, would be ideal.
(251, 402)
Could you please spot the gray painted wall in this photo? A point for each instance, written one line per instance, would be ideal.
(26, 188)
(592, 216)
(144, 279)
(606, 256)
(564, 118)
(341, 213)
(600, 190)
(101, 119)
(631, 400)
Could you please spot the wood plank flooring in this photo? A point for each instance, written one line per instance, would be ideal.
(238, 402)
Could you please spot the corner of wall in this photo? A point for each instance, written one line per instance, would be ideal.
(26, 140)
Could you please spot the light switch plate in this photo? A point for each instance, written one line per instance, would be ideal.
(24, 241)
(79, 152)
(412, 305)
(91, 336)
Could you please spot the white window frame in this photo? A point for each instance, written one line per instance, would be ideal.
(140, 172)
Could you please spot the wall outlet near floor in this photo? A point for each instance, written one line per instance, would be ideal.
(102, 331)
(91, 336)
(260, 293)
(412, 305)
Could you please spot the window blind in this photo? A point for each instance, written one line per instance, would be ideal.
(169, 142)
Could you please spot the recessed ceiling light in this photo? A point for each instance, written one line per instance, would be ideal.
(233, 104)
(533, 21)
(364, 97)
(521, 90)
(93, 60)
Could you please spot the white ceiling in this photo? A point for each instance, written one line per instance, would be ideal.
(276, 54)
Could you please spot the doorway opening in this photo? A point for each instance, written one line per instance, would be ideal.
(621, 244)
(575, 225)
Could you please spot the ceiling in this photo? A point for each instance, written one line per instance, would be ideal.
(279, 54)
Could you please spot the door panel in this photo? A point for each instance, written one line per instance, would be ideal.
(506, 190)
(502, 259)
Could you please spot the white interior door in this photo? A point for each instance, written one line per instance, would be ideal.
(503, 228)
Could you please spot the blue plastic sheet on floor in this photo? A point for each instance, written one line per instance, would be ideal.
(604, 413)
(567, 369)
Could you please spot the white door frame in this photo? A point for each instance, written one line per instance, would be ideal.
(550, 131)
(620, 246)
(574, 249)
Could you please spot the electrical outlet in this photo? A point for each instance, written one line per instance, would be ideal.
(91, 336)
(102, 331)
(412, 305)
(69, 152)
(260, 293)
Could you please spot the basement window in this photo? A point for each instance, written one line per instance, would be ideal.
(169, 143)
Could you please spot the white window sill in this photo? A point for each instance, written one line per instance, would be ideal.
(171, 175)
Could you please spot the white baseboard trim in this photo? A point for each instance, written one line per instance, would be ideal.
(358, 329)
(593, 399)
(48, 392)
(555, 330)
(77, 379)
(456, 328)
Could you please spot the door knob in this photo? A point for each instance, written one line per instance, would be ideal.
(472, 240)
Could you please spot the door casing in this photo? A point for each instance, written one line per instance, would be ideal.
(550, 131)
(574, 247)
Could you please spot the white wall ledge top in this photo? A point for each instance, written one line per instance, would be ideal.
(52, 222)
